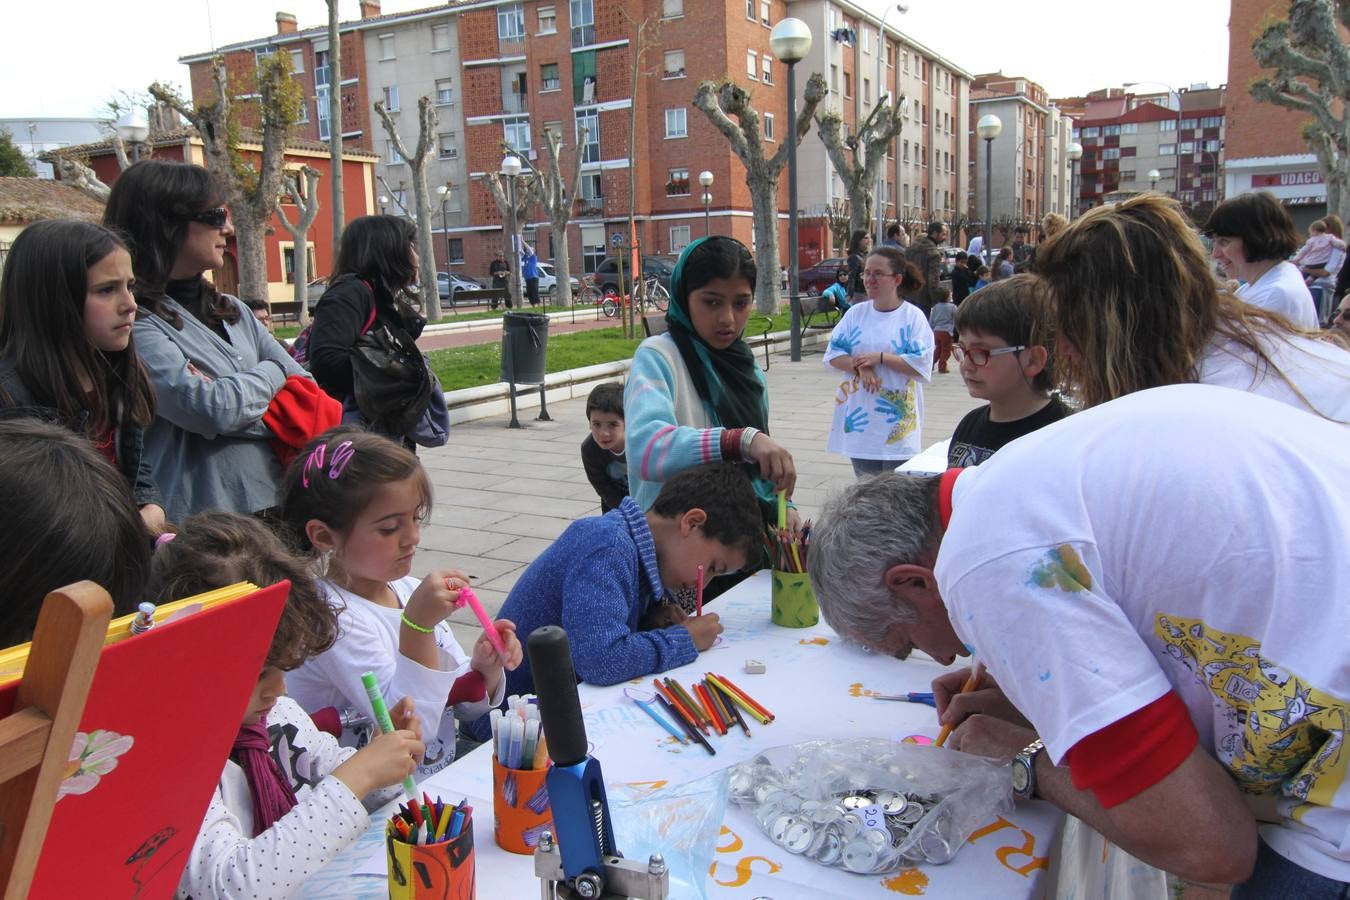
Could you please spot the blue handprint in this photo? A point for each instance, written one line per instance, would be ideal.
(907, 345)
(855, 420)
(847, 342)
(901, 410)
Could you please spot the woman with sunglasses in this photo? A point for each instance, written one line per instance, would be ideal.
(884, 346)
(214, 367)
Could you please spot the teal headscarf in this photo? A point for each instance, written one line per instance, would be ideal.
(726, 380)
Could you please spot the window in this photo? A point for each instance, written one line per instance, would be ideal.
(1126, 175)
(1188, 123)
(1206, 122)
(511, 22)
(677, 185)
(583, 22)
(1091, 132)
(848, 84)
(766, 69)
(588, 189)
(262, 53)
(906, 156)
(297, 61)
(906, 61)
(676, 124)
(321, 93)
(590, 144)
(1167, 149)
(288, 262)
(867, 90)
(764, 11)
(548, 77)
(391, 154)
(584, 87)
(1188, 146)
(391, 98)
(752, 65)
(592, 247)
(303, 112)
(447, 146)
(1110, 153)
(679, 237)
(834, 78)
(1110, 130)
(548, 20)
(445, 93)
(890, 55)
(1211, 145)
(516, 133)
(1168, 173)
(750, 10)
(671, 9)
(768, 127)
(1130, 128)
(866, 39)
(1167, 125)
(386, 46)
(674, 67)
(440, 38)
(457, 250)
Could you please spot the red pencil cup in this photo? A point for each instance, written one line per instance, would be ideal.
(422, 871)
(520, 806)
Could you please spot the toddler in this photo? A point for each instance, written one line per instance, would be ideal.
(602, 453)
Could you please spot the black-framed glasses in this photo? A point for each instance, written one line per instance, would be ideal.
(979, 356)
(216, 217)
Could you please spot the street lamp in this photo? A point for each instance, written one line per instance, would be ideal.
(133, 128)
(444, 192)
(901, 8)
(1075, 154)
(384, 202)
(790, 41)
(705, 178)
(511, 170)
(1153, 176)
(989, 127)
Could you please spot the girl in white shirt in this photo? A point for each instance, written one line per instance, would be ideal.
(359, 500)
(289, 799)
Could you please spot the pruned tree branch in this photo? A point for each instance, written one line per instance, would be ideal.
(858, 157)
(307, 206)
(417, 162)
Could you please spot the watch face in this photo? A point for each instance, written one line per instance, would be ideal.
(1019, 776)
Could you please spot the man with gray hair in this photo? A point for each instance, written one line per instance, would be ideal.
(1158, 589)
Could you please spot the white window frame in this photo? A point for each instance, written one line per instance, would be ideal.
(445, 91)
(679, 117)
(672, 9)
(442, 31)
(680, 237)
(548, 20)
(544, 86)
(297, 62)
(590, 148)
(752, 65)
(515, 125)
(766, 69)
(444, 150)
(667, 71)
(511, 22)
(391, 98)
(764, 12)
(391, 154)
(768, 127)
(388, 50)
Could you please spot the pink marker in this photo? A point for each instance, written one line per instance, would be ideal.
(466, 595)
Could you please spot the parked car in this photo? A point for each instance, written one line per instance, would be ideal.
(443, 282)
(313, 291)
(814, 279)
(548, 283)
(607, 273)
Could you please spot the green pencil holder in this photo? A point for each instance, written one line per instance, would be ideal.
(794, 603)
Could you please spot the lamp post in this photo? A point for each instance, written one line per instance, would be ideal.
(1153, 176)
(511, 170)
(444, 192)
(705, 178)
(790, 41)
(384, 202)
(989, 127)
(133, 128)
(901, 8)
(1075, 154)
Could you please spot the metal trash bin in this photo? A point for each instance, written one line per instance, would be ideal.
(524, 353)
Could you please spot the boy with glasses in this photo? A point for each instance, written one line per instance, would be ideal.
(1000, 364)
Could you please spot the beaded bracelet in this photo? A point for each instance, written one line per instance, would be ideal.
(414, 626)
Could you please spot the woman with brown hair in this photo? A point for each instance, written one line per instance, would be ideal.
(1134, 305)
(1253, 239)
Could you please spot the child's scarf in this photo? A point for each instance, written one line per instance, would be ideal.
(271, 792)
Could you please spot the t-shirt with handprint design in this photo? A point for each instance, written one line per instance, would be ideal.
(886, 423)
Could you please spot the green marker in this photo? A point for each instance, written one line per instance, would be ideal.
(377, 705)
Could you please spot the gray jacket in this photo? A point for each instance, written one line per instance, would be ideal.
(208, 448)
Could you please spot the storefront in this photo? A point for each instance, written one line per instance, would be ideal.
(1295, 180)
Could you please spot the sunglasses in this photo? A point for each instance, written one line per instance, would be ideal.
(216, 217)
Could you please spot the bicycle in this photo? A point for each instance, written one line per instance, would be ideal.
(655, 295)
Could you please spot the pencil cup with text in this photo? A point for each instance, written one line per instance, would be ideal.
(519, 768)
(429, 845)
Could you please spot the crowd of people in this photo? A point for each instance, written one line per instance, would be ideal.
(1159, 457)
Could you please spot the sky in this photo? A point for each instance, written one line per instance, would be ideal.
(72, 62)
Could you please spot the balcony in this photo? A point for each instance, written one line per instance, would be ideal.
(588, 207)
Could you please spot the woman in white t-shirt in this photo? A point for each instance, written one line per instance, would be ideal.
(884, 347)
(1135, 306)
(1253, 239)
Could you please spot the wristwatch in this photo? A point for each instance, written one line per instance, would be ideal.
(1024, 770)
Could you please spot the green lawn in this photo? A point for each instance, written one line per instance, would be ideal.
(290, 331)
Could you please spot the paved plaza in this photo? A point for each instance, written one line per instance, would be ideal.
(503, 495)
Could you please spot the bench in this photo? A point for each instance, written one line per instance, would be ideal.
(285, 311)
(818, 305)
(483, 296)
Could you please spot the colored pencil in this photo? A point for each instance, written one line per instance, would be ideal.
(669, 728)
(689, 701)
(971, 682)
(740, 702)
(674, 700)
(726, 708)
(751, 700)
(711, 707)
(699, 599)
(687, 725)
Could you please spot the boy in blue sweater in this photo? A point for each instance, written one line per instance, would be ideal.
(605, 579)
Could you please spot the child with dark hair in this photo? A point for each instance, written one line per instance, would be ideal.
(605, 578)
(602, 453)
(1001, 364)
(66, 349)
(942, 318)
(289, 799)
(68, 517)
(838, 292)
(359, 501)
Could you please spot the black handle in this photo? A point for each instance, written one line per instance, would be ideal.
(555, 683)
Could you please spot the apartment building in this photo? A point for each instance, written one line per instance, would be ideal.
(1029, 163)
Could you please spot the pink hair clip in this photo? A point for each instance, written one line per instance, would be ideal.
(341, 456)
(164, 539)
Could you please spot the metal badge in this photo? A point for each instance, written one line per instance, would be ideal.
(856, 801)
(891, 803)
(860, 856)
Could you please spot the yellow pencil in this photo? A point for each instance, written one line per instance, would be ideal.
(971, 682)
(738, 700)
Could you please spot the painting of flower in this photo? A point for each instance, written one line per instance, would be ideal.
(92, 756)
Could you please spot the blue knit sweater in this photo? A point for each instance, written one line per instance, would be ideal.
(597, 581)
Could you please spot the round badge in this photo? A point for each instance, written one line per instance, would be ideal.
(912, 813)
(779, 828)
(799, 837)
(859, 856)
(831, 849)
(856, 801)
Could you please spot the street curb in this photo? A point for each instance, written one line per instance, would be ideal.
(488, 401)
(472, 325)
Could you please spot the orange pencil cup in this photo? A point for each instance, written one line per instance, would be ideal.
(520, 805)
(422, 871)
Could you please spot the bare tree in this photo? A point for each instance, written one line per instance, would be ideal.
(395, 196)
(75, 173)
(720, 101)
(417, 162)
(841, 223)
(335, 203)
(1312, 74)
(527, 195)
(645, 35)
(557, 195)
(306, 207)
(253, 187)
(857, 157)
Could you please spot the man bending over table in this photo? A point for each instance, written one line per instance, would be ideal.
(1159, 590)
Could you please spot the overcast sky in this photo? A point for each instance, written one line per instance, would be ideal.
(59, 59)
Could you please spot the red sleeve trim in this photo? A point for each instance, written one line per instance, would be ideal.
(946, 484)
(468, 688)
(1127, 757)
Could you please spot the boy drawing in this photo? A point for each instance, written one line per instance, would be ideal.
(1001, 365)
(602, 453)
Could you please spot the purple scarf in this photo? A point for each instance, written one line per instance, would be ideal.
(272, 794)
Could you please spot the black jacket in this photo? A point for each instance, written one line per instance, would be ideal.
(340, 318)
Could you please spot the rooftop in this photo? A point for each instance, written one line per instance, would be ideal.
(186, 133)
(25, 200)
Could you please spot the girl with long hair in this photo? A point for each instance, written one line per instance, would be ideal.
(66, 349)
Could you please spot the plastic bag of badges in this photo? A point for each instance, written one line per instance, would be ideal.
(868, 805)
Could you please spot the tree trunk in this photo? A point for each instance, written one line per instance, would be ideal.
(307, 207)
(251, 244)
(557, 195)
(764, 207)
(336, 202)
(562, 258)
(417, 164)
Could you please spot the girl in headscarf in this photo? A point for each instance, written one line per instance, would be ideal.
(695, 394)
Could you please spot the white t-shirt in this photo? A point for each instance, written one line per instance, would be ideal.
(885, 424)
(1282, 290)
(368, 642)
(1319, 369)
(1186, 538)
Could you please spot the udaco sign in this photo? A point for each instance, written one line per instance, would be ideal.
(1286, 179)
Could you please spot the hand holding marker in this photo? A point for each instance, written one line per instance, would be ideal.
(377, 706)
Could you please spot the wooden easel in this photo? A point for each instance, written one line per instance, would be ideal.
(35, 740)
